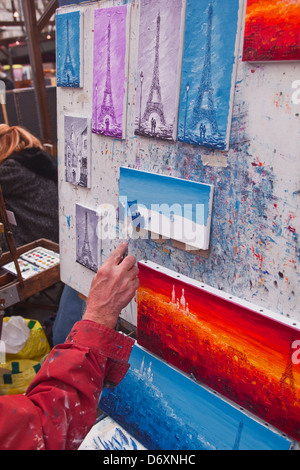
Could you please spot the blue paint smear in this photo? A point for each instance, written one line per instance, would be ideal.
(218, 21)
(165, 410)
(150, 188)
(68, 58)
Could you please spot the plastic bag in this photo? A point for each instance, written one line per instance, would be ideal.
(20, 368)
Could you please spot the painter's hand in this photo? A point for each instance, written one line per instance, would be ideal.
(112, 288)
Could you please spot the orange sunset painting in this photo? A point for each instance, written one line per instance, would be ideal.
(272, 31)
(247, 356)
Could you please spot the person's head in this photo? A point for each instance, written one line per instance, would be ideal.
(14, 139)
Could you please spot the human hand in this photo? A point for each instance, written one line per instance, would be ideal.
(112, 288)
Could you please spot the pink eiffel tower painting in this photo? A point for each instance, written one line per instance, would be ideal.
(110, 71)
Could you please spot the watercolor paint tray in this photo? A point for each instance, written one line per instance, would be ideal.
(33, 262)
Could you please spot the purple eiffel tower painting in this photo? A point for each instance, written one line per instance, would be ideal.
(110, 71)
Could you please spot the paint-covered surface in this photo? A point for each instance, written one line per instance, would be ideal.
(248, 356)
(272, 30)
(208, 72)
(168, 411)
(110, 69)
(254, 244)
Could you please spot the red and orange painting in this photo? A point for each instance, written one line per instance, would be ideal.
(272, 30)
(246, 356)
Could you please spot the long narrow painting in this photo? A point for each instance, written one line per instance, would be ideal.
(77, 150)
(249, 356)
(272, 31)
(111, 29)
(173, 208)
(209, 72)
(165, 410)
(159, 67)
(69, 51)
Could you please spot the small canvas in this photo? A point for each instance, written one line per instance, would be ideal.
(77, 150)
(165, 410)
(86, 237)
(111, 39)
(69, 51)
(244, 352)
(209, 72)
(159, 68)
(164, 206)
(109, 435)
(272, 31)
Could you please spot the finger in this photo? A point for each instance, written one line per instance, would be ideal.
(117, 254)
(128, 263)
(133, 273)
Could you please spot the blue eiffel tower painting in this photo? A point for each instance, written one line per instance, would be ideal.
(68, 56)
(208, 73)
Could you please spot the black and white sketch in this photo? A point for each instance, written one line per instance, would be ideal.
(77, 151)
(86, 237)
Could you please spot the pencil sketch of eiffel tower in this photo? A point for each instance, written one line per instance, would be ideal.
(154, 107)
(204, 110)
(68, 68)
(288, 375)
(107, 116)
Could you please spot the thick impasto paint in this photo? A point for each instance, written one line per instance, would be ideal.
(272, 30)
(174, 208)
(86, 237)
(109, 435)
(243, 354)
(158, 77)
(208, 72)
(69, 49)
(165, 410)
(110, 71)
(77, 150)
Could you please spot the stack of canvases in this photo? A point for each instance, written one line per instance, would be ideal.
(237, 350)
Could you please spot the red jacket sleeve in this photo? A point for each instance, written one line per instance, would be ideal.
(60, 405)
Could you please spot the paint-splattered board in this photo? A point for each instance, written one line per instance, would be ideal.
(254, 245)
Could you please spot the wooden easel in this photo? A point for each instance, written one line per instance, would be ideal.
(15, 289)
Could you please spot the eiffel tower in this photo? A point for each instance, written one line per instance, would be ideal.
(208, 113)
(155, 106)
(86, 254)
(107, 108)
(68, 68)
(288, 373)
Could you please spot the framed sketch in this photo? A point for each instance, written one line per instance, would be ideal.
(77, 150)
(86, 237)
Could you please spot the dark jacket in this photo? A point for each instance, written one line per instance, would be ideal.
(30, 189)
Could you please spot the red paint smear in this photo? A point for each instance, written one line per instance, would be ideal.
(235, 351)
(272, 30)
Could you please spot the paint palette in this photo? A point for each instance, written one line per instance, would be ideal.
(33, 262)
(41, 257)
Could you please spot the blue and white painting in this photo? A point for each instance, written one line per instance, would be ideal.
(109, 435)
(68, 50)
(208, 72)
(164, 409)
(165, 206)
